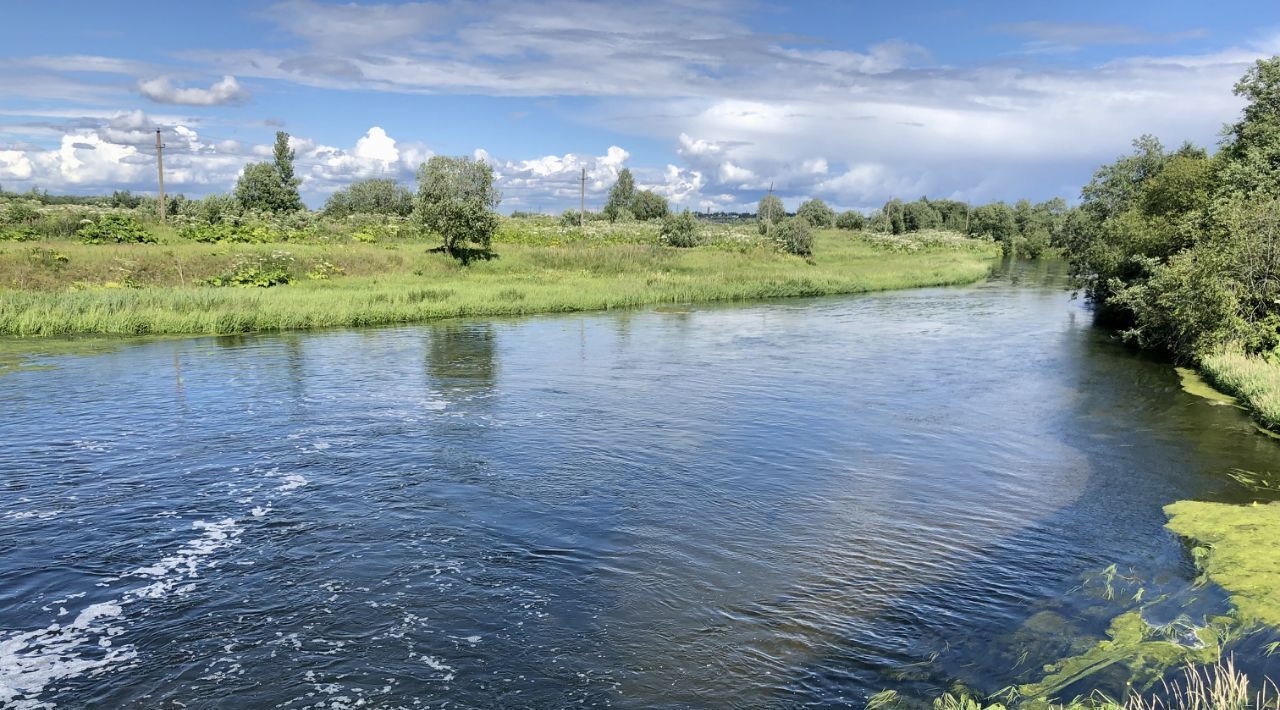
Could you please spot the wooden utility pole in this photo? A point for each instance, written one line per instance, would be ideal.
(582, 200)
(160, 170)
(768, 220)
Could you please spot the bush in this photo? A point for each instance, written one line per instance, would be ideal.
(679, 230)
(223, 232)
(211, 209)
(20, 214)
(794, 236)
(851, 220)
(257, 271)
(376, 196)
(114, 228)
(18, 234)
(817, 213)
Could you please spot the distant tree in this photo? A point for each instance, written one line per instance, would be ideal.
(125, 198)
(770, 212)
(647, 204)
(851, 220)
(621, 196)
(920, 215)
(994, 221)
(895, 215)
(375, 196)
(816, 213)
(954, 214)
(457, 200)
(271, 187)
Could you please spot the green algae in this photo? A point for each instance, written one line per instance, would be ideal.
(1144, 652)
(1193, 383)
(1236, 548)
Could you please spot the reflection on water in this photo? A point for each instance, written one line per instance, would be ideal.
(797, 502)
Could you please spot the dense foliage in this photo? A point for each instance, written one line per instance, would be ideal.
(375, 196)
(816, 213)
(113, 228)
(794, 236)
(1183, 249)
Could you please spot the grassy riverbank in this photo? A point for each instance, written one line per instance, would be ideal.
(65, 288)
(1254, 380)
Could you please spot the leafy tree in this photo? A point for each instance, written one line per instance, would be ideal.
(920, 215)
(895, 216)
(851, 220)
(646, 205)
(375, 196)
(816, 213)
(271, 187)
(770, 212)
(953, 213)
(621, 196)
(994, 221)
(457, 200)
(679, 230)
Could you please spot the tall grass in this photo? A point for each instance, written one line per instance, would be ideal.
(1255, 380)
(81, 291)
(1216, 687)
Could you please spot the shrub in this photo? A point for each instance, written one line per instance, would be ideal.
(224, 232)
(679, 230)
(211, 209)
(114, 228)
(794, 236)
(816, 213)
(18, 234)
(257, 271)
(20, 214)
(851, 220)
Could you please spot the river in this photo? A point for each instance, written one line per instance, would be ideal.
(800, 502)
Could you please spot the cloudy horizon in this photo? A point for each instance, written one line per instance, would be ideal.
(709, 104)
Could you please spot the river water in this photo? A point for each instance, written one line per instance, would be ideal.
(767, 505)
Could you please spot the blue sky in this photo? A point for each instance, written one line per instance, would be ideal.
(707, 102)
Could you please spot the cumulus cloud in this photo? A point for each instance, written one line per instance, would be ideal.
(162, 90)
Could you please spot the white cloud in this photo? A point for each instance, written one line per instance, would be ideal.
(226, 90)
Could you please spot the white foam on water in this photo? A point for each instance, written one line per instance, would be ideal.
(292, 482)
(31, 660)
(38, 514)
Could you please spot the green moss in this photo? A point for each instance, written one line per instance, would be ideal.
(1235, 546)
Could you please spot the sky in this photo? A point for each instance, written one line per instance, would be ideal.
(708, 103)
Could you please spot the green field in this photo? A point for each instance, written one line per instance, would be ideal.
(68, 288)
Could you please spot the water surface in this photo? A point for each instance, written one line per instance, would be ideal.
(768, 505)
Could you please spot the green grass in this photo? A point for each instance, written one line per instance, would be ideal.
(62, 288)
(1254, 380)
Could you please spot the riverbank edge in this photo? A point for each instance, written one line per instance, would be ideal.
(160, 311)
(1252, 380)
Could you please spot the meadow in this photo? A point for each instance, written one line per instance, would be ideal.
(64, 287)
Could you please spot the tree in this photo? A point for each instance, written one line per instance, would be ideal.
(375, 196)
(920, 215)
(457, 200)
(851, 220)
(894, 214)
(647, 204)
(994, 221)
(770, 212)
(816, 213)
(271, 187)
(621, 196)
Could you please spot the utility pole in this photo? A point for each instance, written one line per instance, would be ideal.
(582, 200)
(160, 170)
